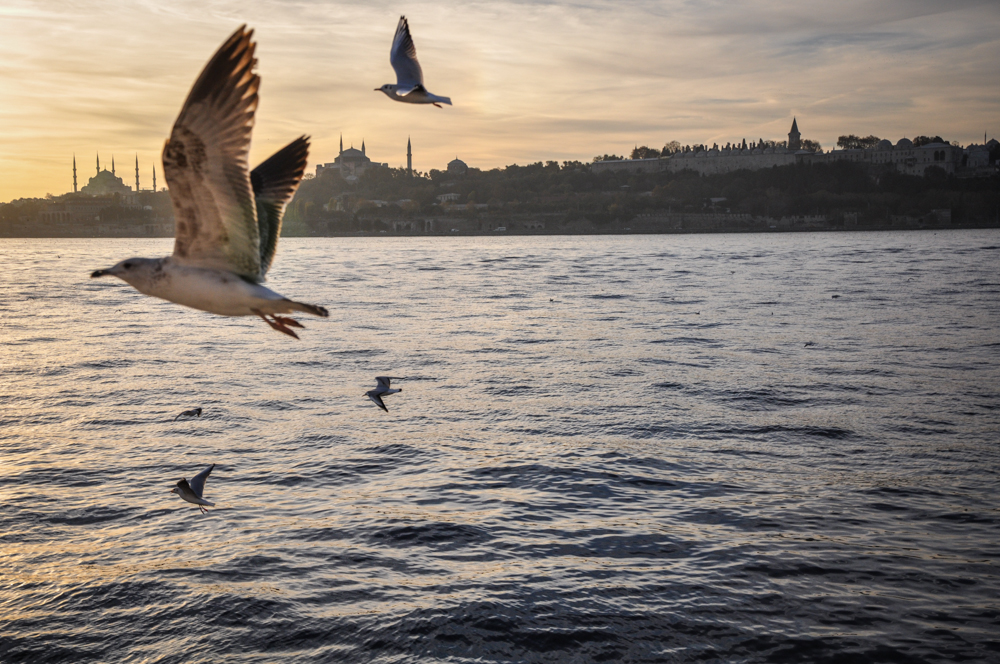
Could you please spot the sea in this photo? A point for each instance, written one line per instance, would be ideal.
(648, 448)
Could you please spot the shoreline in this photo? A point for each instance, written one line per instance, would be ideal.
(540, 233)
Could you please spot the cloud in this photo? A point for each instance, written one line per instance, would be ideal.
(531, 81)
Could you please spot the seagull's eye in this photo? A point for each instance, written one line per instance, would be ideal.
(127, 266)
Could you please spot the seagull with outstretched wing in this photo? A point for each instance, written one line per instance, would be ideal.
(383, 389)
(227, 217)
(193, 491)
(409, 85)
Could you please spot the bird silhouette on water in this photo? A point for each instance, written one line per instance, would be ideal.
(194, 412)
(383, 389)
(192, 491)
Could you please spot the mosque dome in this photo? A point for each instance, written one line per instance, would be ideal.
(904, 144)
(457, 166)
(353, 154)
(884, 144)
(105, 183)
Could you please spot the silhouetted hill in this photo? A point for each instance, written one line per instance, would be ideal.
(568, 197)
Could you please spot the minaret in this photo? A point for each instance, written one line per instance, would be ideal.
(794, 137)
(409, 159)
(341, 145)
(112, 164)
(98, 163)
(154, 177)
(74, 174)
(362, 146)
(137, 173)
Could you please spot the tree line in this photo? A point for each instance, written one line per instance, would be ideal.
(577, 195)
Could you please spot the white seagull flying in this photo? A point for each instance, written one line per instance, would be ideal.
(193, 490)
(380, 391)
(228, 218)
(409, 85)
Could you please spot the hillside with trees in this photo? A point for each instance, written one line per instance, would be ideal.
(571, 198)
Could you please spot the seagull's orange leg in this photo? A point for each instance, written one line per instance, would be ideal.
(284, 320)
(277, 324)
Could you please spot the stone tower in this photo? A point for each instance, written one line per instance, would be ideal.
(794, 137)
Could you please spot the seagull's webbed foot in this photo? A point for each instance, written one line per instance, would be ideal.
(437, 104)
(203, 510)
(278, 324)
(284, 320)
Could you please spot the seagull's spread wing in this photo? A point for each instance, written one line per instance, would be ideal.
(403, 58)
(383, 382)
(198, 481)
(205, 163)
(374, 396)
(273, 184)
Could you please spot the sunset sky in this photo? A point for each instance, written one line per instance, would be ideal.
(530, 81)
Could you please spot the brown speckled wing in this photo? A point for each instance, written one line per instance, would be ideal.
(205, 163)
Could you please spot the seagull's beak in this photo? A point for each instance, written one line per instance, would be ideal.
(111, 271)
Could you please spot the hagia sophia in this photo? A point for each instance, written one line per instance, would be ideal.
(352, 163)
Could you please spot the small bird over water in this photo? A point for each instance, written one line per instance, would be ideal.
(194, 412)
(193, 490)
(228, 218)
(380, 391)
(409, 85)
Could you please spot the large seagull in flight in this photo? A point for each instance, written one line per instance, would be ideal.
(227, 217)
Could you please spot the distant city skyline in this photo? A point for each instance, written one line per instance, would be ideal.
(530, 81)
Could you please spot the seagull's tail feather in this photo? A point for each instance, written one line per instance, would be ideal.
(443, 100)
(313, 309)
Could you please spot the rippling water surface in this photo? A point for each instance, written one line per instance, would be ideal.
(752, 448)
